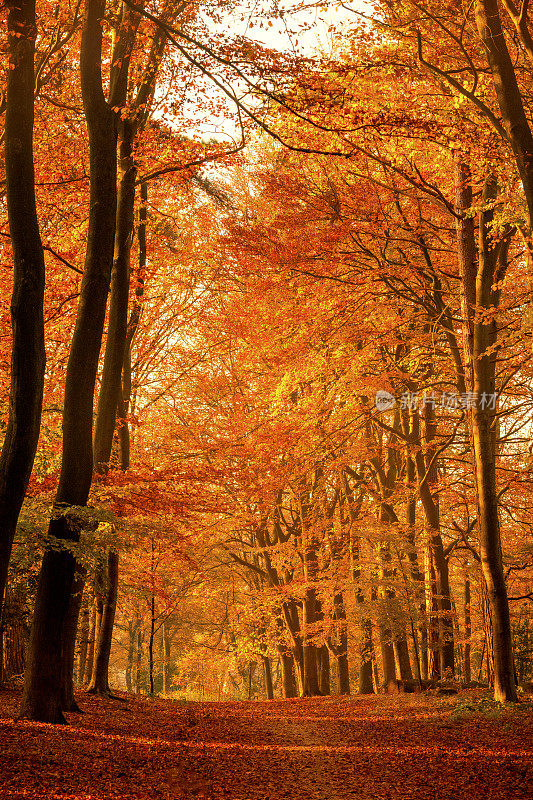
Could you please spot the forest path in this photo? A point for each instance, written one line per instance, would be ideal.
(364, 748)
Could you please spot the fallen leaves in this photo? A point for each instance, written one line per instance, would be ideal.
(363, 748)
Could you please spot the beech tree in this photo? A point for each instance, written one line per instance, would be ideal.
(28, 354)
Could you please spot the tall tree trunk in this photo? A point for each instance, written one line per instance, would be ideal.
(366, 684)
(468, 631)
(93, 633)
(401, 658)
(42, 687)
(340, 650)
(343, 674)
(110, 388)
(133, 323)
(28, 354)
(100, 678)
(132, 637)
(324, 671)
(426, 468)
(487, 279)
(288, 676)
(151, 644)
(310, 687)
(290, 614)
(267, 672)
(69, 641)
(138, 660)
(83, 640)
(166, 659)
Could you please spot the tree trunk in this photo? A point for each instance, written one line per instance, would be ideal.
(151, 644)
(69, 641)
(267, 671)
(138, 661)
(132, 636)
(487, 279)
(288, 676)
(27, 354)
(42, 687)
(310, 683)
(166, 659)
(401, 657)
(343, 674)
(468, 632)
(324, 673)
(93, 633)
(110, 387)
(366, 685)
(83, 640)
(100, 679)
(290, 613)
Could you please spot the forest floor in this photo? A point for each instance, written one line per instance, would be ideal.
(361, 748)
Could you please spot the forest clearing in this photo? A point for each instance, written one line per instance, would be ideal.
(371, 748)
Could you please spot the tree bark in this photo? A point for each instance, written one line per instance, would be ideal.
(88, 671)
(267, 672)
(28, 354)
(166, 659)
(100, 678)
(132, 638)
(288, 676)
(487, 277)
(110, 388)
(138, 660)
(401, 657)
(83, 643)
(324, 671)
(310, 683)
(510, 100)
(69, 641)
(468, 631)
(42, 688)
(366, 684)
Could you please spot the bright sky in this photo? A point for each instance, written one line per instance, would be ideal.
(305, 29)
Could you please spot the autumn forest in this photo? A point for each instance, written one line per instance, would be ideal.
(266, 397)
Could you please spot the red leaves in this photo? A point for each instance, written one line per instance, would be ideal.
(375, 747)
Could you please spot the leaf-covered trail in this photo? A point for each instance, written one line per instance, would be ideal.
(324, 749)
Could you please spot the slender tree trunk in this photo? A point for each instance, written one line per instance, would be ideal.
(324, 677)
(310, 688)
(468, 632)
(27, 355)
(166, 659)
(343, 674)
(125, 394)
(69, 641)
(110, 388)
(83, 640)
(42, 687)
(88, 672)
(100, 679)
(132, 635)
(138, 661)
(267, 671)
(151, 644)
(366, 685)
(487, 279)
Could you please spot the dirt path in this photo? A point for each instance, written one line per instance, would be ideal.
(323, 749)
